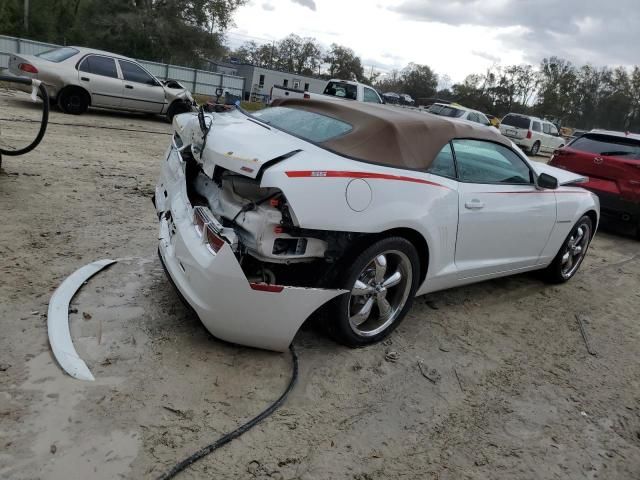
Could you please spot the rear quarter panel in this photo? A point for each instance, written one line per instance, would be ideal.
(315, 184)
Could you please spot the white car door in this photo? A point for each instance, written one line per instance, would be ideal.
(504, 221)
(99, 75)
(142, 91)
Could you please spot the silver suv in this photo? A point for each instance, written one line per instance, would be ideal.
(532, 134)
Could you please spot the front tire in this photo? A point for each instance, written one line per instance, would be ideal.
(572, 253)
(176, 108)
(382, 281)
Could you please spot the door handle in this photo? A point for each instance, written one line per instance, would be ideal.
(129, 86)
(84, 79)
(474, 204)
(597, 160)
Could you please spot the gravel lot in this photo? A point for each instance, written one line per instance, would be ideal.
(516, 395)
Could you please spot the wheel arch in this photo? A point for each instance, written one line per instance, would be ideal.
(68, 88)
(411, 235)
(593, 216)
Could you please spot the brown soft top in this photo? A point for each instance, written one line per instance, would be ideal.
(392, 136)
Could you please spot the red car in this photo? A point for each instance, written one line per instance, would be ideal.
(611, 160)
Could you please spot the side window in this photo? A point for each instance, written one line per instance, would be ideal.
(546, 129)
(135, 73)
(553, 130)
(370, 96)
(473, 116)
(535, 126)
(104, 66)
(443, 164)
(285, 83)
(486, 162)
(306, 87)
(261, 81)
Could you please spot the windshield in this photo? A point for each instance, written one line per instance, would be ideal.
(342, 90)
(451, 112)
(58, 54)
(608, 145)
(516, 121)
(307, 125)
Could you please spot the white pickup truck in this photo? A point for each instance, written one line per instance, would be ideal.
(345, 89)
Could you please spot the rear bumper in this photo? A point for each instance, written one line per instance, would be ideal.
(214, 285)
(615, 208)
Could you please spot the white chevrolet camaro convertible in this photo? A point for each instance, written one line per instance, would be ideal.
(353, 209)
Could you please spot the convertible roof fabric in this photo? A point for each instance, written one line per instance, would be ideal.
(392, 136)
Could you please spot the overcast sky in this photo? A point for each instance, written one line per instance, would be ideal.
(454, 37)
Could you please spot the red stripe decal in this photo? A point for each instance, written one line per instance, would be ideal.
(343, 174)
(540, 191)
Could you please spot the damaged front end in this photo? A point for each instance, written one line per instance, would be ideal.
(230, 246)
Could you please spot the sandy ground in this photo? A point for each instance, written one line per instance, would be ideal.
(517, 395)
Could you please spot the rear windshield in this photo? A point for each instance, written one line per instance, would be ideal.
(435, 108)
(451, 112)
(58, 54)
(342, 90)
(308, 125)
(516, 121)
(607, 145)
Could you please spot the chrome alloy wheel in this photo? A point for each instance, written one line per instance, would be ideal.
(575, 250)
(380, 293)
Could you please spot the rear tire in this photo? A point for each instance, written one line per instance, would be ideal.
(571, 254)
(535, 149)
(381, 281)
(73, 101)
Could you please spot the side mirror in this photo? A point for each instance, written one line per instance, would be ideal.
(547, 181)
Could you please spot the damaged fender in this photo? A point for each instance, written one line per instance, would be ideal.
(58, 320)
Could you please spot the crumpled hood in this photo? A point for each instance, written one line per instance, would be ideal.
(564, 176)
(236, 142)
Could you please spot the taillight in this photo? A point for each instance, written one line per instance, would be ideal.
(213, 240)
(204, 228)
(265, 287)
(27, 67)
(307, 96)
(529, 134)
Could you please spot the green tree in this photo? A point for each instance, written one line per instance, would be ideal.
(343, 63)
(182, 31)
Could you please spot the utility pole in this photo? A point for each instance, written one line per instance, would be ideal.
(26, 16)
(273, 46)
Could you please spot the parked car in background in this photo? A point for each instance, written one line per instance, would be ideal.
(462, 113)
(264, 218)
(611, 160)
(533, 134)
(78, 78)
(406, 99)
(391, 97)
(335, 88)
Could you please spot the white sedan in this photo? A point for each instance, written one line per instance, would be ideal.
(353, 209)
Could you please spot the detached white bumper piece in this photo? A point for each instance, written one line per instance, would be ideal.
(58, 320)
